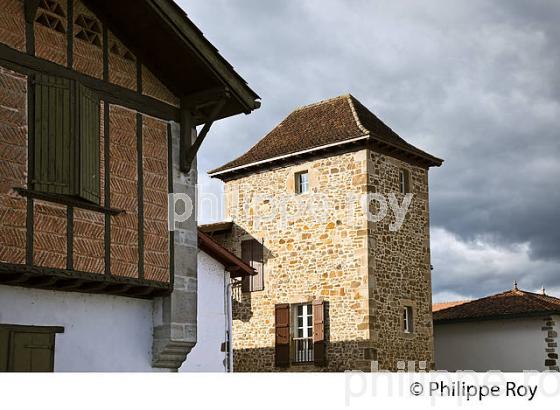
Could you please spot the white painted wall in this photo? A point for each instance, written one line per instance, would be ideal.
(105, 333)
(506, 345)
(101, 332)
(206, 355)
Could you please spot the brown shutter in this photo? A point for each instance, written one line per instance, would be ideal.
(246, 256)
(258, 265)
(319, 350)
(282, 334)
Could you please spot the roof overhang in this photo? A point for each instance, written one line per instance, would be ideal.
(217, 227)
(363, 141)
(175, 50)
(496, 317)
(234, 265)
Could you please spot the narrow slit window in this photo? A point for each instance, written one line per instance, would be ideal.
(404, 181)
(407, 319)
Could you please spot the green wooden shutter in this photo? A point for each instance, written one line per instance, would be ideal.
(53, 162)
(89, 144)
(32, 352)
(4, 349)
(246, 256)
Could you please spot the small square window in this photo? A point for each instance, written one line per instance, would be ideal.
(407, 319)
(404, 181)
(302, 182)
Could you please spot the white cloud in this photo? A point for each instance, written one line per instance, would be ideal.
(481, 267)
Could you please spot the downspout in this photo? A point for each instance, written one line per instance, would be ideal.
(228, 325)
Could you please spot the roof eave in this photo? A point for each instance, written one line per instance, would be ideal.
(429, 159)
(183, 27)
(496, 317)
(236, 266)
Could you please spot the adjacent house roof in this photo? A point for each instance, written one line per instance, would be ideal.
(338, 121)
(172, 47)
(510, 304)
(444, 305)
(216, 227)
(234, 265)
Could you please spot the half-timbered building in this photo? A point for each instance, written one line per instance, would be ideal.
(99, 104)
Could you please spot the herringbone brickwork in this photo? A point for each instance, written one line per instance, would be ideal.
(89, 242)
(51, 44)
(152, 87)
(122, 64)
(124, 191)
(12, 24)
(49, 239)
(13, 165)
(88, 54)
(156, 235)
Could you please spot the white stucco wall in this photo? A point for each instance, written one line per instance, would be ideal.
(506, 345)
(113, 333)
(101, 332)
(206, 355)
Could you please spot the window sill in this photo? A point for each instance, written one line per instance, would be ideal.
(67, 200)
(310, 363)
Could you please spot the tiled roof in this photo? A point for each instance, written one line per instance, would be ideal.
(444, 305)
(337, 120)
(513, 303)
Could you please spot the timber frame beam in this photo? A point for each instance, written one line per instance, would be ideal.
(75, 281)
(31, 10)
(192, 108)
(30, 65)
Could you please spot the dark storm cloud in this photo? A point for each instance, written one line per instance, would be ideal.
(474, 82)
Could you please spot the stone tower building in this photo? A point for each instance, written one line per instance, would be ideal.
(343, 279)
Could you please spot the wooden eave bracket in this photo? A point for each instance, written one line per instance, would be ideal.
(189, 106)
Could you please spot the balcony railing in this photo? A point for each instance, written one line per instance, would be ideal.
(303, 349)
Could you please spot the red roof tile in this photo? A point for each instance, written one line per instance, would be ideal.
(513, 303)
(445, 305)
(338, 120)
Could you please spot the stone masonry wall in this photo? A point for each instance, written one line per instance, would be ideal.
(319, 253)
(399, 269)
(365, 273)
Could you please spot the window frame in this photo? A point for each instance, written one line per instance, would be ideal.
(408, 319)
(302, 356)
(404, 181)
(301, 185)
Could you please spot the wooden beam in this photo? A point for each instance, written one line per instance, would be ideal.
(190, 155)
(67, 200)
(76, 281)
(203, 98)
(28, 64)
(30, 10)
(185, 137)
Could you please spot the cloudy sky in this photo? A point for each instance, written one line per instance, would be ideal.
(474, 82)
